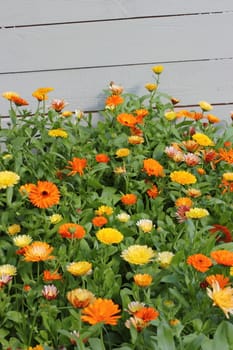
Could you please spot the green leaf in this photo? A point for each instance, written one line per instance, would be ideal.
(14, 316)
(165, 338)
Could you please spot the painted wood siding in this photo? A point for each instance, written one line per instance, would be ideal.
(79, 46)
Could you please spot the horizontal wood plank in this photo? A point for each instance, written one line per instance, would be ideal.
(116, 43)
(28, 12)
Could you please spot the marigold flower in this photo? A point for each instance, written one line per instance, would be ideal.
(101, 311)
(8, 179)
(222, 297)
(170, 115)
(109, 236)
(51, 276)
(55, 218)
(4, 280)
(190, 145)
(142, 280)
(37, 347)
(80, 298)
(141, 114)
(183, 177)
(104, 210)
(164, 258)
(114, 100)
(8, 270)
(153, 167)
(102, 158)
(49, 292)
(147, 314)
(153, 192)
(158, 69)
(71, 230)
(123, 217)
(212, 118)
(77, 165)
(205, 106)
(221, 279)
(25, 189)
(193, 192)
(228, 176)
(41, 93)
(58, 105)
(225, 155)
(38, 251)
(58, 133)
(120, 170)
(202, 139)
(99, 221)
(135, 140)
(183, 201)
(67, 114)
(151, 87)
(19, 101)
(225, 235)
(127, 119)
(9, 95)
(80, 268)
(222, 257)
(181, 213)
(196, 213)
(13, 229)
(145, 225)
(138, 254)
(201, 171)
(44, 195)
(122, 152)
(200, 262)
(129, 199)
(174, 322)
(22, 240)
(191, 159)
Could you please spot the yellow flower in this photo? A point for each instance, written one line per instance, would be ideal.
(80, 268)
(22, 240)
(7, 269)
(142, 280)
(145, 225)
(138, 254)
(120, 170)
(109, 235)
(158, 69)
(122, 152)
(67, 113)
(37, 347)
(104, 209)
(171, 115)
(13, 229)
(205, 106)
(183, 177)
(196, 213)
(55, 219)
(7, 156)
(228, 176)
(58, 133)
(135, 140)
(8, 179)
(41, 93)
(202, 140)
(80, 298)
(223, 298)
(123, 217)
(164, 258)
(151, 87)
(9, 94)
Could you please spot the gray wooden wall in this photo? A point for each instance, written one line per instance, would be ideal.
(79, 46)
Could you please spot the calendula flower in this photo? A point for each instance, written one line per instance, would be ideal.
(135, 140)
(138, 254)
(153, 167)
(122, 152)
(134, 306)
(104, 210)
(228, 176)
(205, 106)
(109, 236)
(147, 314)
(201, 171)
(102, 158)
(44, 195)
(22, 240)
(67, 114)
(120, 170)
(99, 221)
(58, 105)
(221, 279)
(79, 114)
(7, 270)
(193, 192)
(170, 115)
(191, 159)
(196, 213)
(158, 69)
(225, 234)
(200, 262)
(80, 268)
(4, 280)
(50, 292)
(77, 165)
(58, 133)
(38, 251)
(129, 199)
(127, 119)
(123, 217)
(55, 218)
(226, 155)
(8, 179)
(37, 347)
(115, 89)
(113, 101)
(9, 95)
(19, 101)
(80, 298)
(101, 311)
(153, 191)
(25, 189)
(51, 276)
(213, 119)
(141, 114)
(41, 93)
(222, 257)
(13, 229)
(145, 225)
(71, 230)
(190, 145)
(183, 177)
(164, 258)
(202, 140)
(183, 201)
(174, 322)
(222, 297)
(142, 279)
(181, 213)
(151, 87)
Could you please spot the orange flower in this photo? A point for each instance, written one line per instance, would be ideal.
(102, 158)
(147, 314)
(41, 93)
(135, 131)
(44, 195)
(200, 262)
(58, 105)
(99, 221)
(225, 235)
(80, 298)
(19, 101)
(71, 230)
(77, 165)
(221, 279)
(227, 186)
(9, 95)
(226, 155)
(51, 276)
(25, 189)
(135, 139)
(153, 167)
(183, 201)
(38, 251)
(190, 145)
(127, 119)
(142, 280)
(141, 114)
(223, 257)
(113, 101)
(212, 118)
(153, 192)
(101, 310)
(129, 199)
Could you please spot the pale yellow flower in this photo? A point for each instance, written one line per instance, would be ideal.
(7, 156)
(138, 254)
(22, 240)
(123, 217)
(164, 258)
(109, 235)
(13, 229)
(55, 218)
(196, 213)
(8, 179)
(80, 268)
(222, 297)
(122, 152)
(135, 140)
(7, 269)
(104, 209)
(170, 115)
(145, 225)
(205, 106)
(58, 133)
(120, 170)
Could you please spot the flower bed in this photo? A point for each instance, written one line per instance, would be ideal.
(116, 233)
